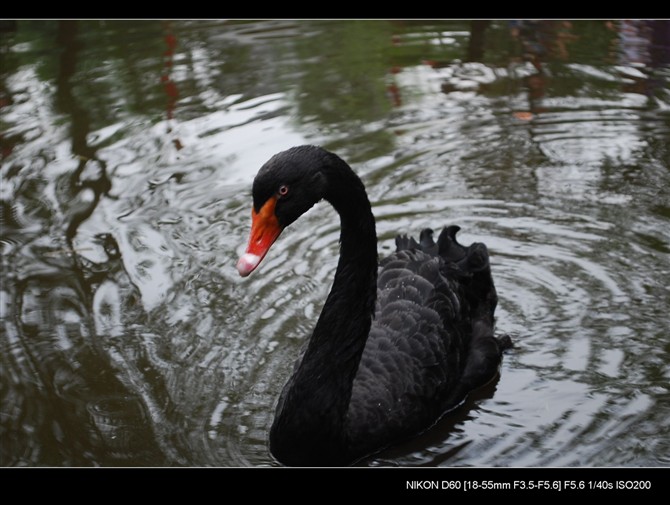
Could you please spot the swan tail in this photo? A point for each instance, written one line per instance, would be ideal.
(465, 259)
(425, 243)
(405, 243)
(448, 247)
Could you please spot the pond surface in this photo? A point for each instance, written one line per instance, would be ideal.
(128, 152)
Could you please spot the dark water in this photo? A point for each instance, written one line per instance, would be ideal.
(128, 149)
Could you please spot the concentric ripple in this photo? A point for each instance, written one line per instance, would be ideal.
(128, 153)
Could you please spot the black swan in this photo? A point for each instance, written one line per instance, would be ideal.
(398, 342)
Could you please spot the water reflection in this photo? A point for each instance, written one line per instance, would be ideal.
(170, 87)
(127, 153)
(74, 405)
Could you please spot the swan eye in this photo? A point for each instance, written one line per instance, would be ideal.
(283, 190)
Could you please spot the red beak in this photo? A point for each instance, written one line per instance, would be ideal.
(264, 231)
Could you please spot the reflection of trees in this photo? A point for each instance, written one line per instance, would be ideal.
(477, 39)
(344, 87)
(70, 395)
(64, 401)
(71, 384)
(79, 208)
(115, 57)
(8, 62)
(345, 82)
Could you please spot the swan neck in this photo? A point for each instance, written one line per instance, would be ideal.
(311, 415)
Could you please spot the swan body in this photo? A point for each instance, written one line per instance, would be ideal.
(399, 342)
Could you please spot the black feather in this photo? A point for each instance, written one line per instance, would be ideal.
(397, 343)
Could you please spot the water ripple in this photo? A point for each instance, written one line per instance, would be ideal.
(128, 337)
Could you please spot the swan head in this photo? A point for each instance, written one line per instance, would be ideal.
(286, 187)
